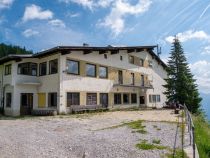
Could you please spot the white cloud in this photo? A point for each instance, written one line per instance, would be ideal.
(202, 73)
(206, 50)
(85, 3)
(72, 15)
(5, 3)
(121, 8)
(57, 23)
(29, 32)
(188, 35)
(35, 12)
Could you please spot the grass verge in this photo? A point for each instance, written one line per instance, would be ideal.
(147, 146)
(202, 135)
(178, 154)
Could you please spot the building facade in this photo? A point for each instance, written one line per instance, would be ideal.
(61, 77)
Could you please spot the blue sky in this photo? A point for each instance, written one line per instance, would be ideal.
(42, 24)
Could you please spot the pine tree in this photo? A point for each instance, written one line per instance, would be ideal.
(180, 84)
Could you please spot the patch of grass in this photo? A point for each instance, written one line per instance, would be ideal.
(156, 141)
(202, 135)
(158, 129)
(177, 154)
(136, 125)
(147, 146)
(155, 126)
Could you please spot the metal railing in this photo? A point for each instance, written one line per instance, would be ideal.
(191, 128)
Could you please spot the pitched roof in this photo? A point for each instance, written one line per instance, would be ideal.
(86, 49)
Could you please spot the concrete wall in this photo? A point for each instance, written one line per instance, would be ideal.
(63, 82)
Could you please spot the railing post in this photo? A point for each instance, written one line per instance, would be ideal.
(193, 134)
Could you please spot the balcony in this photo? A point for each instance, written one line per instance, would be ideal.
(146, 85)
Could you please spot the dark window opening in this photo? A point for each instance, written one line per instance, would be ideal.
(52, 99)
(125, 98)
(73, 99)
(8, 99)
(105, 56)
(131, 59)
(53, 66)
(43, 69)
(133, 98)
(141, 62)
(142, 80)
(104, 99)
(121, 58)
(72, 67)
(117, 98)
(120, 77)
(27, 69)
(132, 78)
(8, 69)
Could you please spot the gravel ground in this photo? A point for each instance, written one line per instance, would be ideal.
(83, 136)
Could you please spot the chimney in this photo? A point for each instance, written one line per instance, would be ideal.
(85, 45)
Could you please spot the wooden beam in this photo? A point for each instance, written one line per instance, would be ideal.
(87, 51)
(103, 51)
(131, 50)
(64, 52)
(114, 51)
(139, 49)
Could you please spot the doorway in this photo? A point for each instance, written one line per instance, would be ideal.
(142, 100)
(104, 99)
(26, 103)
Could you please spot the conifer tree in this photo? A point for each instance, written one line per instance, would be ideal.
(180, 84)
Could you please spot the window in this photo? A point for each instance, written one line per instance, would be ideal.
(52, 99)
(131, 59)
(133, 98)
(120, 77)
(53, 66)
(132, 78)
(8, 69)
(26, 100)
(121, 57)
(43, 69)
(154, 98)
(91, 70)
(72, 67)
(8, 99)
(105, 56)
(142, 80)
(27, 69)
(150, 63)
(125, 98)
(158, 98)
(73, 99)
(117, 98)
(91, 98)
(141, 62)
(103, 72)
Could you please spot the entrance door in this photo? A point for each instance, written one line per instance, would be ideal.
(142, 100)
(104, 99)
(26, 103)
(41, 100)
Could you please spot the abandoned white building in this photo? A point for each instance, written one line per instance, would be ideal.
(65, 76)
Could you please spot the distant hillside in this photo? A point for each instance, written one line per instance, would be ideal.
(206, 103)
(10, 49)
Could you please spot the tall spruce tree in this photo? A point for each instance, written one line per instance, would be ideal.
(180, 84)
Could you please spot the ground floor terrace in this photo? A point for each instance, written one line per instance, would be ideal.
(119, 134)
(24, 101)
